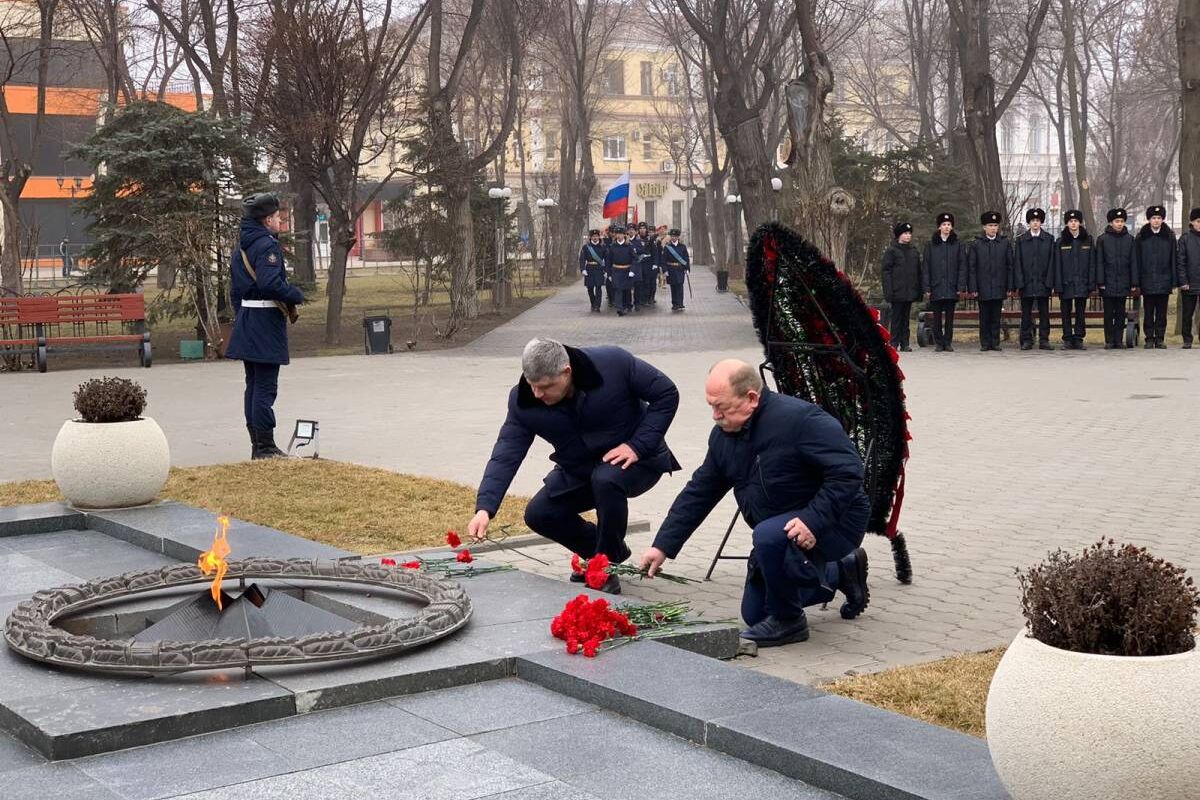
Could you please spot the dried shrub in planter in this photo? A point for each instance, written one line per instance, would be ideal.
(110, 400)
(1110, 600)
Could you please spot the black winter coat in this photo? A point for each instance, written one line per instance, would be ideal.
(1035, 271)
(591, 261)
(1156, 259)
(1187, 261)
(901, 273)
(1076, 264)
(792, 456)
(618, 399)
(1116, 262)
(259, 334)
(990, 267)
(944, 267)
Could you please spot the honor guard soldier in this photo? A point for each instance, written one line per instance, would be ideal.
(264, 302)
(677, 264)
(648, 264)
(1187, 275)
(1036, 278)
(1155, 259)
(990, 278)
(608, 277)
(622, 260)
(1076, 279)
(945, 279)
(592, 266)
(901, 282)
(1116, 275)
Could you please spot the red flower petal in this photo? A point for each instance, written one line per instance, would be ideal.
(452, 539)
(595, 579)
(411, 565)
(388, 562)
(576, 564)
(464, 557)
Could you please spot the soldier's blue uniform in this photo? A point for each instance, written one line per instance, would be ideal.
(647, 265)
(594, 268)
(259, 338)
(623, 261)
(674, 259)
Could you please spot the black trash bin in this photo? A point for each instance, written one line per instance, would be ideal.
(722, 280)
(377, 333)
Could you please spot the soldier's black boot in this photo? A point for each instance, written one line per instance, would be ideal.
(772, 632)
(265, 441)
(852, 582)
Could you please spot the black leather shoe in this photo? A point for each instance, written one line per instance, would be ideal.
(1045, 346)
(1159, 344)
(772, 632)
(1187, 345)
(905, 348)
(577, 577)
(852, 582)
(1149, 345)
(939, 349)
(265, 446)
(949, 348)
(1027, 346)
(611, 586)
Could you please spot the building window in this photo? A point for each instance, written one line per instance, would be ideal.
(651, 205)
(677, 214)
(671, 74)
(614, 148)
(647, 148)
(647, 78)
(1007, 137)
(614, 77)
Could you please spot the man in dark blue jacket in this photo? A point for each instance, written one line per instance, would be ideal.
(674, 259)
(264, 302)
(798, 480)
(606, 414)
(1036, 278)
(623, 264)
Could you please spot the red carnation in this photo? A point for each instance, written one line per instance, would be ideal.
(576, 564)
(452, 539)
(388, 562)
(595, 580)
(464, 557)
(411, 565)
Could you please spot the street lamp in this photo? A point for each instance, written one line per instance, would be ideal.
(545, 204)
(499, 194)
(776, 187)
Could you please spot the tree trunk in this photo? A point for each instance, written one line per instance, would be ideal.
(304, 215)
(1067, 201)
(1189, 79)
(1079, 125)
(979, 104)
(11, 280)
(698, 218)
(718, 217)
(464, 298)
(341, 240)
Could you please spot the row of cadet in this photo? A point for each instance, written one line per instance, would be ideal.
(1116, 265)
(627, 265)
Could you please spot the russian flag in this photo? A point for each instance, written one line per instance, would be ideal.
(616, 202)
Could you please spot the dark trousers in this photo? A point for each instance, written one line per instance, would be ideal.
(594, 295)
(943, 321)
(608, 290)
(262, 386)
(1154, 316)
(1114, 319)
(1188, 316)
(989, 323)
(676, 292)
(1074, 321)
(649, 285)
(1043, 312)
(66, 267)
(781, 579)
(901, 311)
(608, 491)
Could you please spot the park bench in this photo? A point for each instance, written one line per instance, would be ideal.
(38, 325)
(1010, 318)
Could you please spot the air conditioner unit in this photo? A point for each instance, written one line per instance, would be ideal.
(668, 166)
(637, 136)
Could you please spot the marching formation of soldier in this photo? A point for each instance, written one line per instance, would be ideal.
(1114, 266)
(626, 266)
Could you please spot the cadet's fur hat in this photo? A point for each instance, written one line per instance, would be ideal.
(1116, 213)
(673, 232)
(1156, 211)
(945, 216)
(1035, 213)
(1195, 215)
(642, 225)
(618, 229)
(1074, 213)
(989, 218)
(260, 205)
(899, 228)
(594, 232)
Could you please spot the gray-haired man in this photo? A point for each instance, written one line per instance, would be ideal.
(606, 414)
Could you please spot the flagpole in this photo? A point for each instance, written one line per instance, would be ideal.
(629, 169)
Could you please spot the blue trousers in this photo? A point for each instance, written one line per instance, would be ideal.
(262, 385)
(781, 578)
(608, 491)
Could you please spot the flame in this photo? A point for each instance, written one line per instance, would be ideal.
(214, 559)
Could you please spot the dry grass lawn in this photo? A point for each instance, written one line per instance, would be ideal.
(362, 509)
(951, 693)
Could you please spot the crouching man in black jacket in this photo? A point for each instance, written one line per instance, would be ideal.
(798, 480)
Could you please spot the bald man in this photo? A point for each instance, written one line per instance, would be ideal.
(798, 480)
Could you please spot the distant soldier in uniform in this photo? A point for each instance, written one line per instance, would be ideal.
(990, 278)
(264, 302)
(1155, 259)
(1036, 278)
(608, 277)
(1187, 275)
(64, 250)
(902, 277)
(944, 279)
(1076, 279)
(648, 264)
(1116, 275)
(592, 265)
(622, 260)
(676, 263)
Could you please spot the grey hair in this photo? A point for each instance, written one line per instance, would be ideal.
(743, 379)
(543, 358)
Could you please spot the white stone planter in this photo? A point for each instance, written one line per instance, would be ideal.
(110, 464)
(1077, 726)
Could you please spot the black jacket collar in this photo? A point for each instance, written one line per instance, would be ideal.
(1146, 232)
(951, 239)
(1066, 238)
(584, 376)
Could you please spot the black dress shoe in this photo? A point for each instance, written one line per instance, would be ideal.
(1045, 346)
(949, 348)
(983, 348)
(772, 632)
(577, 577)
(905, 348)
(1159, 344)
(611, 586)
(939, 349)
(1149, 345)
(852, 582)
(1187, 345)
(1109, 346)
(1027, 345)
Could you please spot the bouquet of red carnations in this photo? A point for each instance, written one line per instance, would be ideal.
(585, 624)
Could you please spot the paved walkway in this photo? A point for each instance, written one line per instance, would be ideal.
(1014, 454)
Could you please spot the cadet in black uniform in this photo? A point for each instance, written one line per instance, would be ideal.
(1187, 275)
(647, 265)
(902, 276)
(675, 261)
(1155, 258)
(622, 260)
(1036, 278)
(592, 265)
(1076, 279)
(944, 276)
(1116, 275)
(990, 277)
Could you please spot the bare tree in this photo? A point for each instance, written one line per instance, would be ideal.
(1189, 80)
